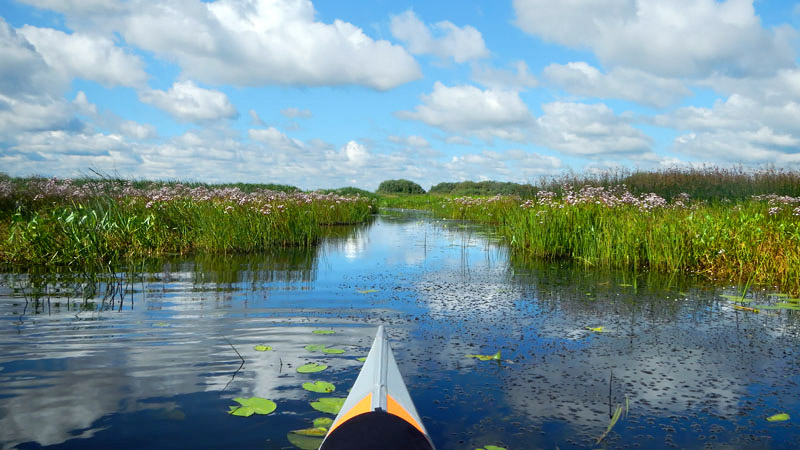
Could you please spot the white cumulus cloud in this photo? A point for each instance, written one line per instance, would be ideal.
(443, 39)
(620, 83)
(256, 42)
(190, 103)
(470, 110)
(590, 131)
(668, 38)
(91, 57)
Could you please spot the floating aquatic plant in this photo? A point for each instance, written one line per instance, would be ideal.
(332, 351)
(253, 405)
(319, 386)
(323, 332)
(368, 291)
(324, 349)
(490, 447)
(304, 442)
(362, 359)
(311, 368)
(782, 417)
(262, 348)
(330, 405)
(596, 329)
(495, 357)
(745, 308)
(324, 422)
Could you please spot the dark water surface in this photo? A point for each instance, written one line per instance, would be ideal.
(155, 370)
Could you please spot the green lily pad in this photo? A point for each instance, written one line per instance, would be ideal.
(362, 359)
(491, 447)
(596, 329)
(495, 357)
(733, 298)
(787, 305)
(332, 351)
(319, 386)
(262, 348)
(323, 332)
(368, 291)
(325, 422)
(314, 347)
(311, 368)
(330, 405)
(253, 405)
(316, 431)
(161, 324)
(782, 417)
(304, 442)
(779, 295)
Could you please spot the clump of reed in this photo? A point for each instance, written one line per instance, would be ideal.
(710, 183)
(67, 223)
(754, 240)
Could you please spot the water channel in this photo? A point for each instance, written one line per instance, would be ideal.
(149, 358)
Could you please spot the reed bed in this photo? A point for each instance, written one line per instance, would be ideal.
(61, 222)
(756, 240)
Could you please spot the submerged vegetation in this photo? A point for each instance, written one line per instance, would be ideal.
(65, 222)
(750, 236)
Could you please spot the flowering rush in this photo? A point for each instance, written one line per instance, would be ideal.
(263, 201)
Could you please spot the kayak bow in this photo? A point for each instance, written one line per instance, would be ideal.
(378, 413)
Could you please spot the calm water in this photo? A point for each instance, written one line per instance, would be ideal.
(156, 369)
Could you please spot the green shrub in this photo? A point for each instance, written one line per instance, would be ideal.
(400, 187)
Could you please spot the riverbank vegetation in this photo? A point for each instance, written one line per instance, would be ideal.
(97, 221)
(732, 229)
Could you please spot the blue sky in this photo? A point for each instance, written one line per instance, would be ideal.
(341, 92)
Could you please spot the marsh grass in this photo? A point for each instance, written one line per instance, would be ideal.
(755, 239)
(60, 222)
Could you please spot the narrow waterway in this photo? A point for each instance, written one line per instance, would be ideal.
(149, 357)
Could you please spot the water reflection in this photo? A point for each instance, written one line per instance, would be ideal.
(141, 357)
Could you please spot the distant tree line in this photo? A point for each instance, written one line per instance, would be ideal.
(484, 188)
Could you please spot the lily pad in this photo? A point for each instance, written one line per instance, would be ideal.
(324, 332)
(491, 447)
(262, 348)
(782, 417)
(596, 329)
(253, 405)
(304, 442)
(161, 324)
(745, 308)
(311, 368)
(316, 431)
(323, 422)
(330, 405)
(319, 386)
(332, 351)
(495, 357)
(368, 291)
(787, 305)
(733, 298)
(314, 347)
(362, 359)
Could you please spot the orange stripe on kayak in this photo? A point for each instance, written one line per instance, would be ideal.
(398, 410)
(363, 406)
